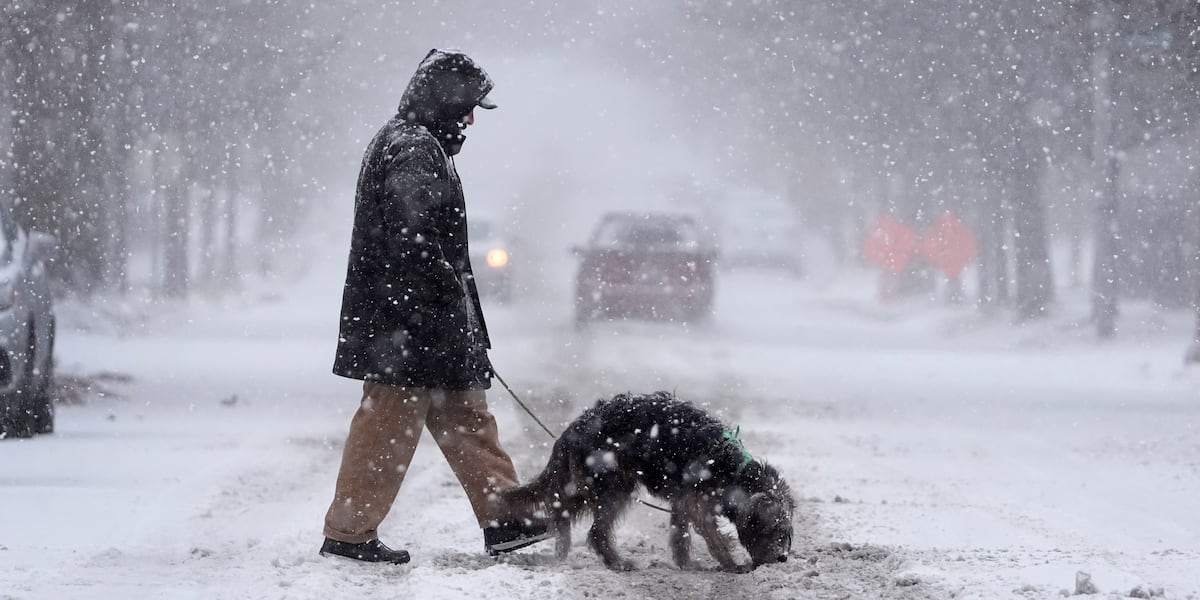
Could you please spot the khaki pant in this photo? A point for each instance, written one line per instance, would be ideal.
(383, 437)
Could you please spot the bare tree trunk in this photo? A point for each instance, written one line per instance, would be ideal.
(38, 105)
(268, 233)
(229, 270)
(124, 98)
(6, 104)
(993, 259)
(175, 244)
(208, 258)
(1105, 285)
(1034, 276)
(175, 274)
(118, 230)
(95, 24)
(1076, 228)
(1105, 275)
(1193, 352)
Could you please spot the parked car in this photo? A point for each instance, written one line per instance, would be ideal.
(26, 330)
(647, 264)
(760, 231)
(491, 251)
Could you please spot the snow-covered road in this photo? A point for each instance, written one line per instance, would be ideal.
(934, 454)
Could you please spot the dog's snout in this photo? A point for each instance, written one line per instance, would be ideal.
(782, 558)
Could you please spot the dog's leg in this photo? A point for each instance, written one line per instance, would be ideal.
(680, 537)
(719, 544)
(568, 508)
(685, 513)
(608, 510)
(562, 545)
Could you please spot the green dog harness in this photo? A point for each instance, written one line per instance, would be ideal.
(732, 437)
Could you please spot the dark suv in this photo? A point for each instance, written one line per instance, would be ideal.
(26, 330)
(656, 265)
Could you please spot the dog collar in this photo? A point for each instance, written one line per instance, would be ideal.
(732, 437)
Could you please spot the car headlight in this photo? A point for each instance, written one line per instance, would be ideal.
(8, 294)
(497, 257)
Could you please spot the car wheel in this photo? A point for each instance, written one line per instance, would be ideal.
(43, 416)
(16, 423)
(43, 398)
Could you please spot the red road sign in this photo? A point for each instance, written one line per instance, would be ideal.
(949, 245)
(889, 244)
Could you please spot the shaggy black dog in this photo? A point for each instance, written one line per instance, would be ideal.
(680, 454)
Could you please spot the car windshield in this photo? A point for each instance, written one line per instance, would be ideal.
(646, 232)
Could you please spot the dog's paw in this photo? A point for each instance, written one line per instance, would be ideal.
(562, 549)
(692, 565)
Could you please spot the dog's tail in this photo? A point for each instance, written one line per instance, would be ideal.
(546, 488)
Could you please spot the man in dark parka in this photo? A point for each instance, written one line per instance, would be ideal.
(412, 328)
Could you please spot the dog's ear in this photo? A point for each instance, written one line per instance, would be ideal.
(746, 510)
(766, 478)
(784, 492)
(758, 476)
(753, 471)
(780, 489)
(770, 476)
(771, 512)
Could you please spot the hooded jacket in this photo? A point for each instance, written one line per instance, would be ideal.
(410, 308)
(446, 86)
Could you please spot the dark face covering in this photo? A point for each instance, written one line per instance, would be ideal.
(450, 135)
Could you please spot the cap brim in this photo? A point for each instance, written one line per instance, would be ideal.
(487, 103)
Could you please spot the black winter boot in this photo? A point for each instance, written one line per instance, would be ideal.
(511, 535)
(368, 551)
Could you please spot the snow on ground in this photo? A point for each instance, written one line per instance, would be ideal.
(935, 453)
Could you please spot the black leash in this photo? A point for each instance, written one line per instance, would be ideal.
(522, 405)
(547, 429)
